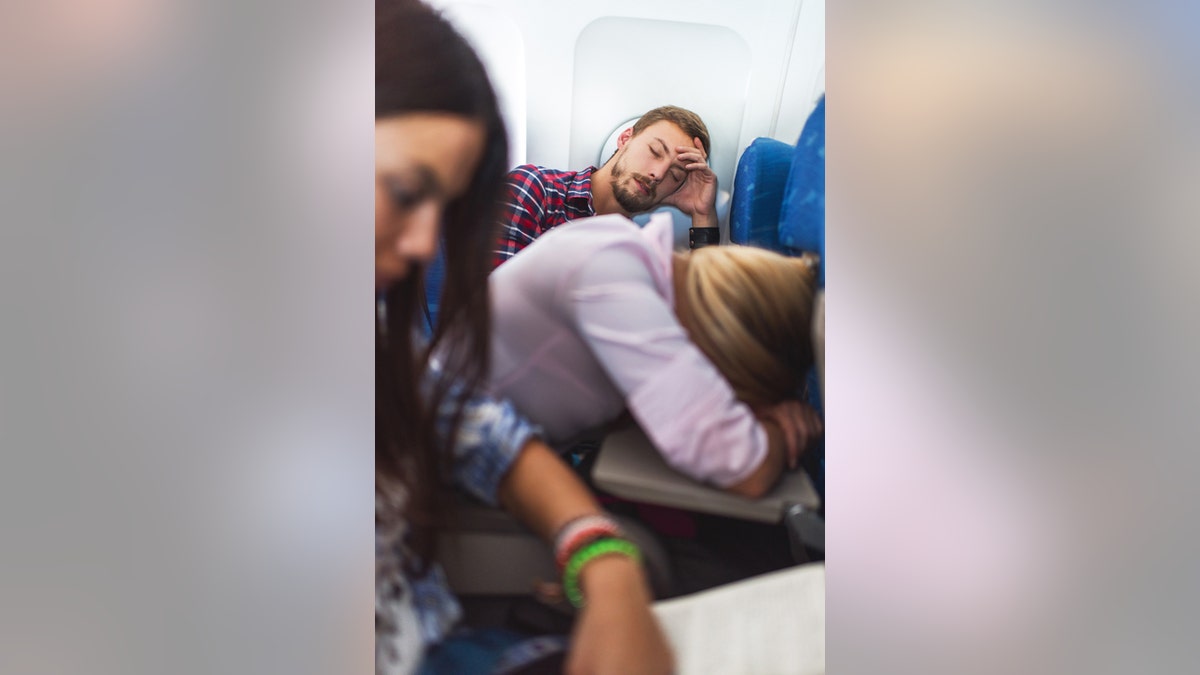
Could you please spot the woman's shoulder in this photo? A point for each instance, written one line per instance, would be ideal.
(608, 226)
(614, 248)
(563, 255)
(590, 236)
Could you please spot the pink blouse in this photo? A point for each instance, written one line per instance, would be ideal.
(583, 326)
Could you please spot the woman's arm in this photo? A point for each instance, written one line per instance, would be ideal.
(615, 632)
(542, 492)
(764, 476)
(499, 459)
(790, 427)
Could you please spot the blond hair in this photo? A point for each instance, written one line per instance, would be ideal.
(750, 311)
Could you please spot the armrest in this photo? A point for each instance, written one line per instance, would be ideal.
(629, 466)
(488, 552)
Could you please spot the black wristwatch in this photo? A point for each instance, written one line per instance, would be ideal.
(699, 237)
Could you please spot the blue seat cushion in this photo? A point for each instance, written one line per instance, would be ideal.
(758, 190)
(802, 215)
(435, 275)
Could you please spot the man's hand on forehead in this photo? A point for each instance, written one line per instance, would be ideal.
(692, 157)
(697, 194)
(677, 169)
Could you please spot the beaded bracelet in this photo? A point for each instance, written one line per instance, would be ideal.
(588, 553)
(579, 532)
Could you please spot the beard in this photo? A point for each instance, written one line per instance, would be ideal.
(626, 191)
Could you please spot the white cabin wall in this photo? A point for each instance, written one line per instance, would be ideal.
(612, 85)
(804, 81)
(500, 42)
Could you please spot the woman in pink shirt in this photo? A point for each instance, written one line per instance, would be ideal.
(706, 349)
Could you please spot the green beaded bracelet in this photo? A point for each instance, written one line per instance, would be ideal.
(585, 555)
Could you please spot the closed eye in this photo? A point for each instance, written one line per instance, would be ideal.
(406, 199)
(410, 188)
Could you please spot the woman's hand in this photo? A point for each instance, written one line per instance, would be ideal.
(800, 425)
(616, 633)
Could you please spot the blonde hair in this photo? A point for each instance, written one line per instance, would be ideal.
(750, 311)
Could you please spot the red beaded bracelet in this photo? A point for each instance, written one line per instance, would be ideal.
(579, 532)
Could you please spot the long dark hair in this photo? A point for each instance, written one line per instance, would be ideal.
(423, 65)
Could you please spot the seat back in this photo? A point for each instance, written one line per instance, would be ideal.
(802, 210)
(758, 187)
(779, 193)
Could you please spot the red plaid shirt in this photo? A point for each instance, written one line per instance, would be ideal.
(537, 199)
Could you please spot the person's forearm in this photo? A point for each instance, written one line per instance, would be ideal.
(705, 219)
(705, 230)
(543, 492)
(616, 632)
(768, 471)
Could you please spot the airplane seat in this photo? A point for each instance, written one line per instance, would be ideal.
(802, 213)
(759, 183)
(779, 193)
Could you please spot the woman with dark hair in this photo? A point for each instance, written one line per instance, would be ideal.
(440, 155)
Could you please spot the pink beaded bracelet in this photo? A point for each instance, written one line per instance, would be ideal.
(579, 532)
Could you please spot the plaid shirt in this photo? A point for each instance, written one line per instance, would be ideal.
(538, 199)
